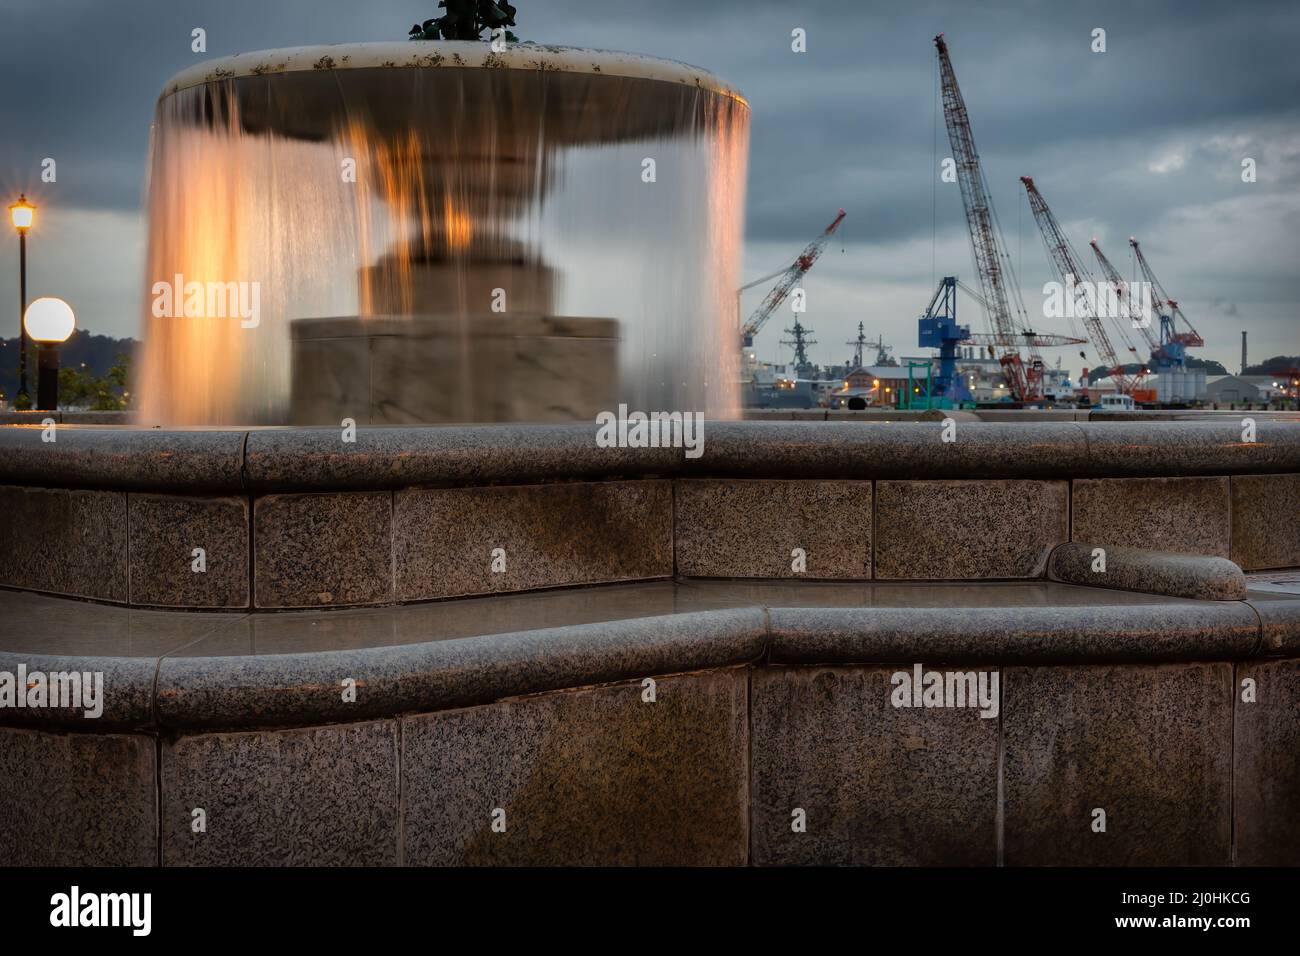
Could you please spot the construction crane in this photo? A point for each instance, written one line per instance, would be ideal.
(986, 240)
(989, 340)
(1170, 314)
(790, 277)
(1161, 356)
(938, 329)
(1072, 272)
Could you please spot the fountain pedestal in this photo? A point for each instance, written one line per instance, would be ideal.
(481, 367)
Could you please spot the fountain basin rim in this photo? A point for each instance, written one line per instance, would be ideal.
(448, 54)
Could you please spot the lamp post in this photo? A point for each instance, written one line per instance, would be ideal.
(49, 321)
(22, 214)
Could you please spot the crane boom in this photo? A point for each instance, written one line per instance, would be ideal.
(796, 271)
(1161, 300)
(1072, 273)
(1121, 290)
(1023, 338)
(984, 234)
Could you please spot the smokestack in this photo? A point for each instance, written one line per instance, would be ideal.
(1243, 351)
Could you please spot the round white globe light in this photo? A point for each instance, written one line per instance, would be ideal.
(49, 320)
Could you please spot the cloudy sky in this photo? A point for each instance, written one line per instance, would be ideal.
(1144, 139)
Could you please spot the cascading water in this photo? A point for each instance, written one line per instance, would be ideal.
(398, 180)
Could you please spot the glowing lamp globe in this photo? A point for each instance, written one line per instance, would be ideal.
(49, 320)
(22, 213)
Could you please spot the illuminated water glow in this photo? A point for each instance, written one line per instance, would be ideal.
(522, 171)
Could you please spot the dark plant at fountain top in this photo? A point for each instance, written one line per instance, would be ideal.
(466, 20)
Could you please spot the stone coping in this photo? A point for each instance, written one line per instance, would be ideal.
(310, 459)
(1135, 569)
(206, 678)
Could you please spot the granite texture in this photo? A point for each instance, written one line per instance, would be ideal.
(1150, 745)
(288, 689)
(324, 796)
(303, 459)
(127, 687)
(1180, 448)
(1266, 521)
(77, 799)
(391, 457)
(165, 530)
(867, 449)
(746, 529)
(595, 777)
(880, 785)
(557, 534)
(1165, 631)
(1266, 765)
(123, 458)
(64, 542)
(1279, 620)
(968, 529)
(1134, 569)
(1179, 515)
(313, 550)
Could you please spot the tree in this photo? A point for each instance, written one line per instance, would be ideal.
(79, 387)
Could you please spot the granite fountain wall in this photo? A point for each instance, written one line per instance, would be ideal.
(1124, 693)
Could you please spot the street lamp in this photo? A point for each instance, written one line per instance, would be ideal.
(22, 214)
(49, 322)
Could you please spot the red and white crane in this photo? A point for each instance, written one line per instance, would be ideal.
(1071, 271)
(790, 277)
(994, 268)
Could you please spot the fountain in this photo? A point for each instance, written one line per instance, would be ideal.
(443, 231)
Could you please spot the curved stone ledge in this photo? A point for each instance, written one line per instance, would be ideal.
(290, 689)
(122, 458)
(217, 682)
(306, 459)
(1155, 572)
(128, 692)
(1041, 635)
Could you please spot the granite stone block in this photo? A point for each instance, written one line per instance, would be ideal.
(1149, 745)
(165, 531)
(879, 785)
(1266, 521)
(322, 796)
(64, 542)
(594, 776)
(968, 529)
(77, 799)
(446, 541)
(323, 549)
(1179, 515)
(745, 529)
(1266, 771)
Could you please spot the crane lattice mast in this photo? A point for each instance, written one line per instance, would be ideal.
(1161, 300)
(1121, 290)
(1071, 272)
(985, 237)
